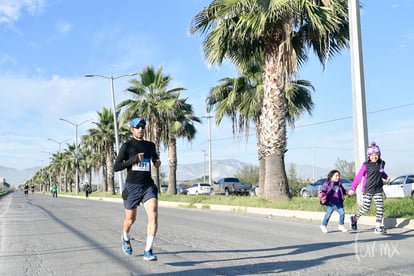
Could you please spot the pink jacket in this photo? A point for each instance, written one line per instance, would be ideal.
(363, 173)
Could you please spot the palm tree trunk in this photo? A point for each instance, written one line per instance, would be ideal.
(66, 180)
(105, 178)
(262, 176)
(89, 176)
(172, 159)
(262, 162)
(273, 127)
(155, 138)
(110, 170)
(276, 186)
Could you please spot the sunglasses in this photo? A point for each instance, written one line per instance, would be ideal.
(139, 126)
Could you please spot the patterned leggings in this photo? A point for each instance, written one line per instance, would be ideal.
(366, 204)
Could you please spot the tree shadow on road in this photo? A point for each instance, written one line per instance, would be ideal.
(278, 255)
(276, 266)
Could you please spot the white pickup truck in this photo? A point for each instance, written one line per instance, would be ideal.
(231, 185)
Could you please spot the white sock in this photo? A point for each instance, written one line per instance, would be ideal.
(150, 241)
(125, 235)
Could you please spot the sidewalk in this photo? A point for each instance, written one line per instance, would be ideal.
(268, 212)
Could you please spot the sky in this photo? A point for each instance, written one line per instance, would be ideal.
(47, 46)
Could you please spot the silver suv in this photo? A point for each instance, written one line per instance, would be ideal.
(313, 189)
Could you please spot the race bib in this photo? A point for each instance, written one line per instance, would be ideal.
(143, 166)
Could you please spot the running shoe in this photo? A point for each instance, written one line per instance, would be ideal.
(379, 230)
(126, 246)
(148, 256)
(354, 224)
(342, 228)
(323, 228)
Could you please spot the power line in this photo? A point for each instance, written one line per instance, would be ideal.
(350, 117)
(240, 136)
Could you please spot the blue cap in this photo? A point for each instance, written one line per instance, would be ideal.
(135, 122)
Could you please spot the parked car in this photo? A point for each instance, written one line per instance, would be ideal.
(199, 189)
(163, 188)
(231, 185)
(401, 186)
(313, 189)
(182, 189)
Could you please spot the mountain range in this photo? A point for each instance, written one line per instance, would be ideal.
(16, 177)
(220, 168)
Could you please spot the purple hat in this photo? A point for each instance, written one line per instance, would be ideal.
(135, 122)
(373, 149)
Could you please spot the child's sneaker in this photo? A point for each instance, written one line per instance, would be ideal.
(379, 230)
(354, 224)
(323, 228)
(148, 256)
(342, 228)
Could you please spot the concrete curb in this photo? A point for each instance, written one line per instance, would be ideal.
(269, 212)
(317, 216)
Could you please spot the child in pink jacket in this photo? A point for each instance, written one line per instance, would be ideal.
(373, 172)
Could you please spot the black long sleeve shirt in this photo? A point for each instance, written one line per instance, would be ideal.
(137, 172)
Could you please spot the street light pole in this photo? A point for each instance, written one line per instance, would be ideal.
(59, 143)
(358, 88)
(204, 165)
(76, 150)
(210, 170)
(49, 173)
(60, 173)
(111, 79)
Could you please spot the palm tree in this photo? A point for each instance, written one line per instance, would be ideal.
(87, 162)
(181, 125)
(84, 167)
(101, 140)
(241, 99)
(95, 158)
(280, 33)
(152, 100)
(68, 162)
(57, 165)
(68, 166)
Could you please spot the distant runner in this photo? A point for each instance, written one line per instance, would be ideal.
(32, 188)
(54, 190)
(26, 190)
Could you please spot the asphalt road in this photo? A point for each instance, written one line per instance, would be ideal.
(75, 236)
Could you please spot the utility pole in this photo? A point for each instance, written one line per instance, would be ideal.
(358, 89)
(48, 172)
(210, 169)
(204, 165)
(76, 150)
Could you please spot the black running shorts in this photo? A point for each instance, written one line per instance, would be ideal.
(135, 194)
